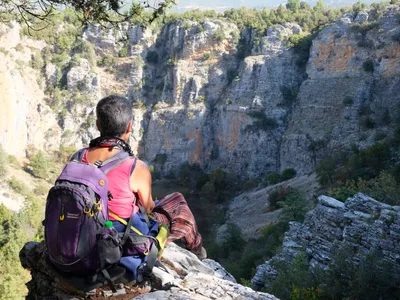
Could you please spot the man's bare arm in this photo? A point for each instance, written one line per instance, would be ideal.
(141, 184)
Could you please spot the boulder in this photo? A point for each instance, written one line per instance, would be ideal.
(183, 276)
(362, 222)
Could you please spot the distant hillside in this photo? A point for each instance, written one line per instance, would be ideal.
(221, 5)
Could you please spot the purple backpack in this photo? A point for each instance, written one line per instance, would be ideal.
(76, 212)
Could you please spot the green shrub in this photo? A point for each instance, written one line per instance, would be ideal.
(18, 186)
(396, 37)
(294, 207)
(200, 28)
(37, 61)
(152, 57)
(14, 235)
(218, 189)
(201, 98)
(288, 174)
(88, 52)
(234, 240)
(365, 110)
(363, 28)
(3, 162)
(348, 101)
(219, 35)
(207, 55)
(19, 47)
(40, 165)
(326, 171)
(81, 99)
(123, 52)
(274, 178)
(277, 196)
(75, 60)
(376, 157)
(367, 122)
(368, 66)
(379, 136)
(20, 64)
(262, 122)
(106, 61)
(384, 188)
(372, 278)
(250, 184)
(161, 158)
(13, 161)
(4, 51)
(289, 95)
(294, 279)
(242, 259)
(64, 154)
(232, 74)
(172, 61)
(41, 189)
(61, 60)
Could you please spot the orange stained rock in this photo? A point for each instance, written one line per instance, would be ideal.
(196, 154)
(231, 138)
(390, 52)
(335, 58)
(391, 60)
(167, 143)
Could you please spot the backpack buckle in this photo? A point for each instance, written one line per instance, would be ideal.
(86, 209)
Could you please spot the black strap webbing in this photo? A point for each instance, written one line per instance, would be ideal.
(107, 276)
(159, 209)
(78, 155)
(133, 166)
(151, 260)
(145, 270)
(144, 214)
(127, 231)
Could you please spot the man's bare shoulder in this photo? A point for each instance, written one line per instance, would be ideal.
(141, 169)
(140, 164)
(140, 175)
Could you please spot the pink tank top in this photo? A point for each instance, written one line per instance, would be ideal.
(124, 200)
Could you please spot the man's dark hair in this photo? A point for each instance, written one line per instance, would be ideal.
(113, 115)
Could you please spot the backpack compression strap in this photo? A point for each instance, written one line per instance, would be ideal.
(107, 165)
(114, 161)
(78, 155)
(146, 268)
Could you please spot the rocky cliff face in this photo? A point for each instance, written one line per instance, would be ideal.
(361, 223)
(188, 278)
(351, 92)
(207, 93)
(24, 117)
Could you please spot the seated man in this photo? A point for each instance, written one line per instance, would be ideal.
(130, 182)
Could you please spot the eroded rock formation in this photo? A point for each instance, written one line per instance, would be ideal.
(361, 222)
(211, 94)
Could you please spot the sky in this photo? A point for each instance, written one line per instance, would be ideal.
(221, 5)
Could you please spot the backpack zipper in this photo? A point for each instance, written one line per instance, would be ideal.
(59, 224)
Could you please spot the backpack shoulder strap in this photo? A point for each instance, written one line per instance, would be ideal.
(78, 155)
(114, 161)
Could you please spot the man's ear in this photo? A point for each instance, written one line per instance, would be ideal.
(97, 125)
(129, 128)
